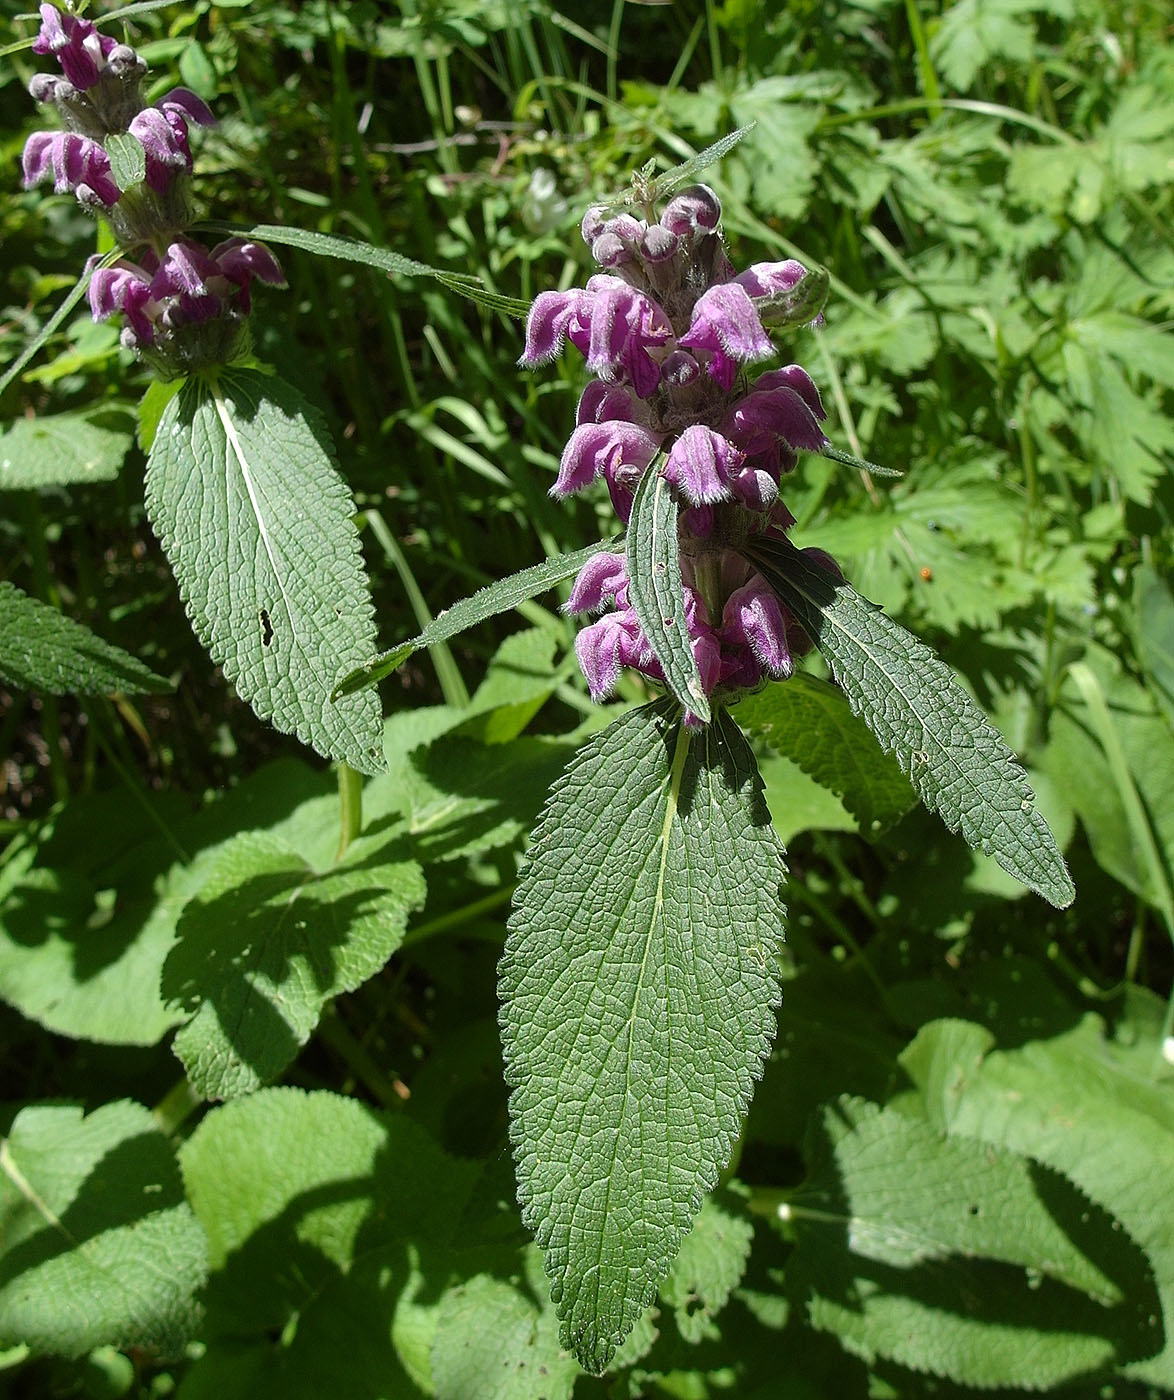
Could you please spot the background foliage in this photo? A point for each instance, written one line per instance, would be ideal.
(954, 1171)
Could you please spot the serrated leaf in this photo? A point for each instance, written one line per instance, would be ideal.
(42, 649)
(243, 493)
(97, 1244)
(956, 1258)
(811, 723)
(918, 711)
(637, 985)
(1071, 1101)
(653, 564)
(266, 944)
(487, 602)
(708, 1267)
(316, 1210)
(60, 449)
(128, 159)
(492, 1342)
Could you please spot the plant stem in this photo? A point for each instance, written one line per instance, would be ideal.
(350, 808)
(176, 1106)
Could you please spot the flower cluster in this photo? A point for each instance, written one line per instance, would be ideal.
(184, 306)
(668, 329)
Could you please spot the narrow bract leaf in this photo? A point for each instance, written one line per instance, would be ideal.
(917, 709)
(60, 449)
(837, 454)
(243, 493)
(40, 649)
(487, 602)
(97, 1245)
(653, 564)
(128, 159)
(638, 982)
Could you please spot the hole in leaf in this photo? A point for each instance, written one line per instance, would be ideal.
(266, 628)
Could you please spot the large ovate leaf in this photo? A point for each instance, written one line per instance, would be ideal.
(244, 495)
(653, 564)
(60, 449)
(493, 1342)
(955, 1258)
(1097, 1108)
(97, 1245)
(812, 724)
(638, 982)
(266, 943)
(41, 649)
(317, 1213)
(918, 711)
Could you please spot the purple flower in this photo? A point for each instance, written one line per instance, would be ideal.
(596, 449)
(600, 581)
(753, 616)
(701, 464)
(667, 330)
(77, 165)
(76, 44)
(726, 324)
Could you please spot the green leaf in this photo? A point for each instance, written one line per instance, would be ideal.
(1111, 754)
(60, 449)
(1154, 605)
(316, 1212)
(487, 602)
(966, 1261)
(631, 1039)
(41, 649)
(158, 395)
(96, 1242)
(492, 1342)
(519, 681)
(128, 159)
(75, 294)
(918, 711)
(653, 564)
(465, 797)
(846, 459)
(708, 1267)
(243, 493)
(266, 943)
(811, 723)
(1091, 1106)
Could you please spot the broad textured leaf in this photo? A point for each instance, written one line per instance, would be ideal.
(519, 681)
(243, 493)
(812, 724)
(493, 1342)
(89, 901)
(464, 797)
(495, 598)
(1090, 1106)
(266, 943)
(317, 1212)
(42, 649)
(638, 982)
(918, 711)
(653, 564)
(969, 1262)
(708, 1267)
(61, 449)
(97, 1245)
